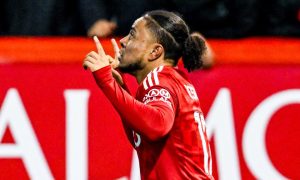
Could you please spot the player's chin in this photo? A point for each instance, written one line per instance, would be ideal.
(125, 68)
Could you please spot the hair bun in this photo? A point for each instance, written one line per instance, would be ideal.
(194, 48)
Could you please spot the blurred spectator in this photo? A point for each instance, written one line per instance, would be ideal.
(213, 18)
(67, 17)
(106, 17)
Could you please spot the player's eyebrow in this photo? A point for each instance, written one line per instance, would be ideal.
(133, 29)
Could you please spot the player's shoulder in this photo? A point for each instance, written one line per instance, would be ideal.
(160, 76)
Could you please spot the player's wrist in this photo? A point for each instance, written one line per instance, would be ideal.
(103, 75)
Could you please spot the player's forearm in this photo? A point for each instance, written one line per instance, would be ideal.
(127, 129)
(151, 122)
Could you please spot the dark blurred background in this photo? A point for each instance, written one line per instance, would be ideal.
(213, 18)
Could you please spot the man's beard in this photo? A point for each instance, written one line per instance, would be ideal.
(131, 68)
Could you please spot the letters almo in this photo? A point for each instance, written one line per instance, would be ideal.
(219, 121)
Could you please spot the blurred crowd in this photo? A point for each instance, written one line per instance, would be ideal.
(213, 18)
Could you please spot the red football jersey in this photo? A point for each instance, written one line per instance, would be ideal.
(167, 123)
(184, 152)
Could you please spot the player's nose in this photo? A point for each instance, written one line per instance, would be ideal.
(123, 41)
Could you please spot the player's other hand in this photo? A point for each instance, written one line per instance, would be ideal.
(115, 63)
(96, 60)
(116, 74)
(102, 28)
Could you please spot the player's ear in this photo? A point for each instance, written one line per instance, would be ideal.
(156, 51)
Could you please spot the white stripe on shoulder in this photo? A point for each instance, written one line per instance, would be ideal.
(149, 78)
(160, 68)
(155, 74)
(145, 84)
(156, 81)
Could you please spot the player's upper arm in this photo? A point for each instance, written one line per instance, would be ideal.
(157, 93)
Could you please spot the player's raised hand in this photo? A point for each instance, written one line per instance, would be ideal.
(95, 61)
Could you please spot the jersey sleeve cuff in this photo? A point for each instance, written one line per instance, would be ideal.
(103, 76)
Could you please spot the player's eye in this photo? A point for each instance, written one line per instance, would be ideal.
(131, 34)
